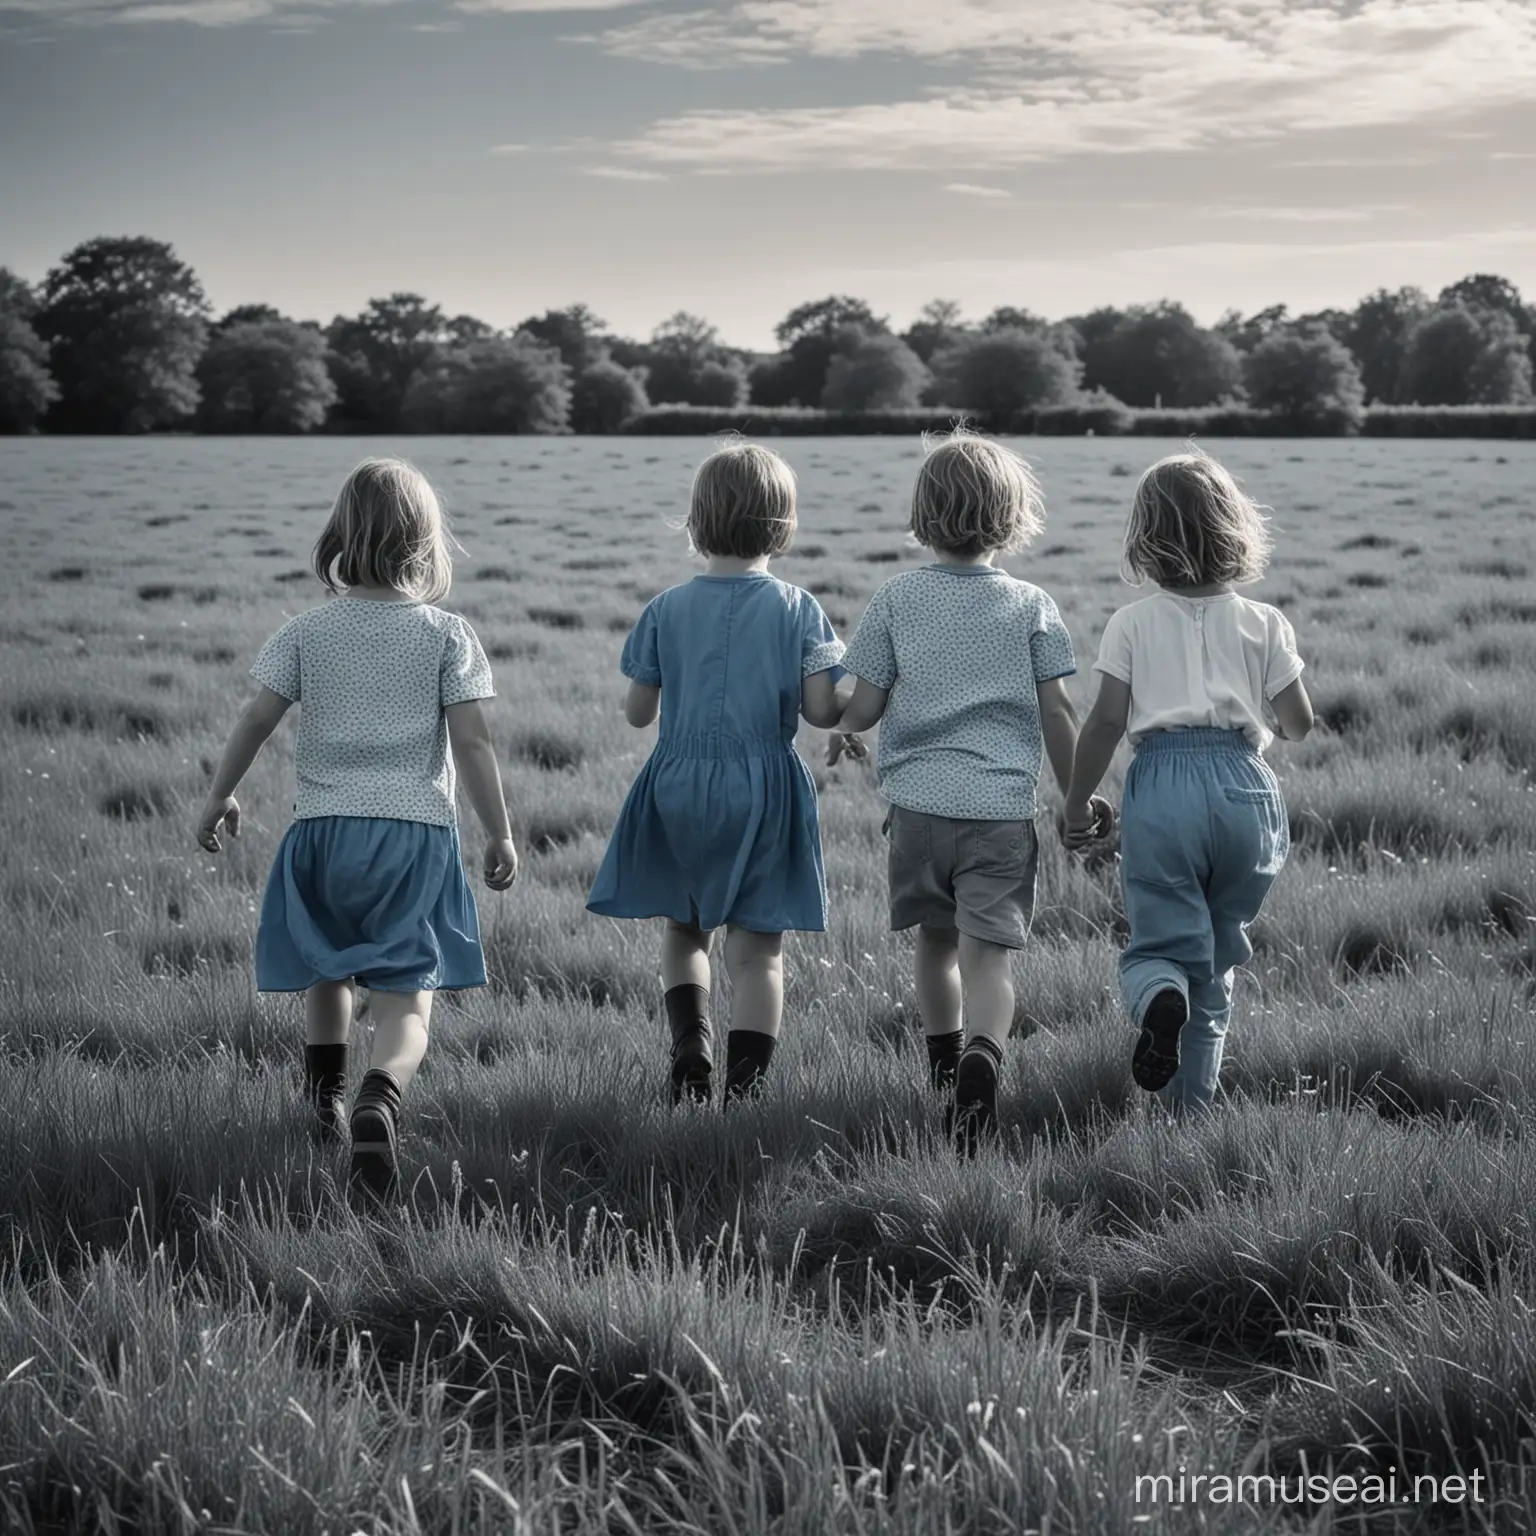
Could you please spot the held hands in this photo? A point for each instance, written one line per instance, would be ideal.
(1084, 824)
(220, 812)
(842, 744)
(500, 863)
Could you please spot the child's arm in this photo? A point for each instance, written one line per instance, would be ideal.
(1058, 725)
(475, 757)
(642, 704)
(256, 723)
(857, 712)
(1293, 711)
(1096, 745)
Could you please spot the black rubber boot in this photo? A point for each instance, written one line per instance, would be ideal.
(944, 1058)
(375, 1134)
(692, 1056)
(976, 1095)
(1156, 1057)
(747, 1054)
(325, 1086)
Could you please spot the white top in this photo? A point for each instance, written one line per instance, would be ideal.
(962, 649)
(1213, 661)
(372, 680)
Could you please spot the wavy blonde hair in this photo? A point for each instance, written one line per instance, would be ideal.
(386, 530)
(1192, 525)
(972, 495)
(743, 503)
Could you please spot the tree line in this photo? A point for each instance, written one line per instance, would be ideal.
(119, 337)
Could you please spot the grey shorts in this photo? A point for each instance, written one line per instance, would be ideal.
(977, 876)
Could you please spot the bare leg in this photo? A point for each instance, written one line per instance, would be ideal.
(936, 972)
(755, 963)
(400, 1021)
(684, 956)
(987, 972)
(328, 1010)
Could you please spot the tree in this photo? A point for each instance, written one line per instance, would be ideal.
(808, 335)
(1160, 354)
(499, 384)
(1245, 335)
(1378, 336)
(1306, 377)
(125, 322)
(1485, 291)
(873, 372)
(575, 332)
(264, 376)
(606, 397)
(375, 355)
(1456, 355)
(247, 314)
(1000, 373)
(938, 323)
(688, 366)
(26, 387)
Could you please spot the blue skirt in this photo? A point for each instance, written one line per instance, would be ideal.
(370, 898)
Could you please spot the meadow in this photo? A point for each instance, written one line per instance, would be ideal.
(594, 1313)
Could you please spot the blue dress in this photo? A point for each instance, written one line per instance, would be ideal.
(720, 826)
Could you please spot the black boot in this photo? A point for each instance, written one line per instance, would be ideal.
(976, 1094)
(943, 1058)
(692, 1057)
(325, 1086)
(375, 1122)
(747, 1054)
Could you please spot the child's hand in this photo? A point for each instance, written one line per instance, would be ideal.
(845, 744)
(500, 863)
(1084, 824)
(1103, 816)
(219, 812)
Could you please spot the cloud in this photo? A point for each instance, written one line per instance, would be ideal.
(973, 189)
(623, 173)
(229, 13)
(1044, 81)
(1279, 214)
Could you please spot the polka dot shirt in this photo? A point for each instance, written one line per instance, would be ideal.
(961, 649)
(371, 680)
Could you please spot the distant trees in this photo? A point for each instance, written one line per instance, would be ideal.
(1159, 354)
(375, 355)
(1005, 371)
(1306, 376)
(125, 321)
(808, 336)
(873, 371)
(1378, 336)
(687, 365)
(937, 325)
(1460, 355)
(606, 397)
(494, 384)
(264, 375)
(26, 386)
(575, 333)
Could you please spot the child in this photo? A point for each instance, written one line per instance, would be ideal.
(720, 828)
(965, 668)
(367, 887)
(1192, 673)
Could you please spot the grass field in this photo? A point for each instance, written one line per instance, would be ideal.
(599, 1314)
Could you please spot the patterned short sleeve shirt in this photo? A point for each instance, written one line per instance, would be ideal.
(372, 680)
(961, 650)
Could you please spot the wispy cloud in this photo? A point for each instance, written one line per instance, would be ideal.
(1046, 81)
(975, 189)
(1276, 213)
(623, 173)
(229, 13)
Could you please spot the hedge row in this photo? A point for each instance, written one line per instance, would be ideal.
(1102, 418)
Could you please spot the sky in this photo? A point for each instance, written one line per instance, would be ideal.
(737, 158)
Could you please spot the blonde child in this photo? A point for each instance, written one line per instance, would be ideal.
(1198, 676)
(720, 828)
(964, 666)
(367, 887)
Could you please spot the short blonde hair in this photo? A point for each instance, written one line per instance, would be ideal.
(1191, 525)
(386, 530)
(743, 503)
(972, 495)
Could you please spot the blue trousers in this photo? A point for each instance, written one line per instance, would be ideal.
(1203, 835)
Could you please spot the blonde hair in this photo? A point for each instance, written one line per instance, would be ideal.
(386, 530)
(1191, 525)
(743, 503)
(972, 495)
